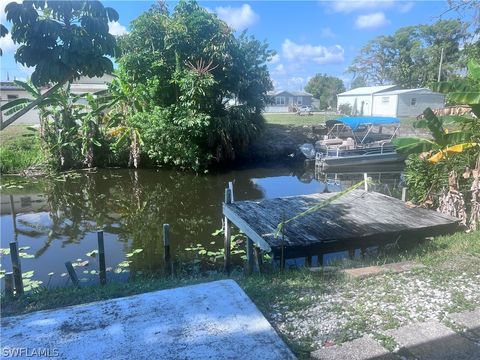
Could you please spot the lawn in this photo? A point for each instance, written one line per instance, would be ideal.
(293, 119)
(310, 308)
(19, 149)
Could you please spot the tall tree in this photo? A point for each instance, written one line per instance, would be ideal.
(325, 88)
(358, 81)
(191, 68)
(62, 40)
(411, 56)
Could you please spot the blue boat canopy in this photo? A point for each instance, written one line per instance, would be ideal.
(355, 122)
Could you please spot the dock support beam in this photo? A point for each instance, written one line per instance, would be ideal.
(228, 234)
(249, 256)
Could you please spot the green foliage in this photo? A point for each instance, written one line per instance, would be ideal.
(325, 88)
(63, 40)
(20, 152)
(410, 57)
(173, 136)
(345, 109)
(358, 81)
(180, 69)
(465, 91)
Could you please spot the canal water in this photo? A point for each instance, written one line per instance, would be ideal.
(55, 220)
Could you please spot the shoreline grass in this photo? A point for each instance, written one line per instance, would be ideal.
(19, 149)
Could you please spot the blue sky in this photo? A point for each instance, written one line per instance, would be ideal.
(309, 36)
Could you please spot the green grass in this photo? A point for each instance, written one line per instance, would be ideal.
(292, 119)
(19, 149)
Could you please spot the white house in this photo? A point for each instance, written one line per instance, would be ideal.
(390, 100)
(10, 91)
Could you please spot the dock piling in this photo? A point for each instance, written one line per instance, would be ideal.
(166, 247)
(227, 233)
(404, 194)
(101, 258)
(72, 273)
(17, 269)
(9, 284)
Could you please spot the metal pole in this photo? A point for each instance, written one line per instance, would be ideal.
(440, 66)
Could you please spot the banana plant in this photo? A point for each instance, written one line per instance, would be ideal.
(445, 143)
(123, 103)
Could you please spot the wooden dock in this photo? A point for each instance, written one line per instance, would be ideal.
(358, 219)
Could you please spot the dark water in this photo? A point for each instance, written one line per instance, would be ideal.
(57, 218)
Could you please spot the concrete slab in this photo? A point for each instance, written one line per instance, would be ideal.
(434, 341)
(363, 348)
(215, 320)
(469, 319)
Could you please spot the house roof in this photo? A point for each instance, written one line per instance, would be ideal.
(293, 93)
(416, 91)
(367, 90)
(9, 85)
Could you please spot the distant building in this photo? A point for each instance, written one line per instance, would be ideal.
(10, 91)
(286, 101)
(390, 100)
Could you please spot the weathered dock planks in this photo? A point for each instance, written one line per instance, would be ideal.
(359, 218)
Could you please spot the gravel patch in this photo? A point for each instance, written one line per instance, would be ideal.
(352, 309)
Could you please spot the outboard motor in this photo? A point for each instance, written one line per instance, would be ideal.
(308, 150)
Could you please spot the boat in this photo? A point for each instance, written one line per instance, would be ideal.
(352, 142)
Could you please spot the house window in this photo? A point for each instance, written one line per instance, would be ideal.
(385, 99)
(413, 101)
(280, 100)
(12, 97)
(299, 100)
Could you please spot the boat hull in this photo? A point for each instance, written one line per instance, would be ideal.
(361, 160)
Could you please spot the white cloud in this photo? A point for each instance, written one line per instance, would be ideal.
(349, 6)
(405, 7)
(7, 45)
(239, 18)
(275, 59)
(295, 83)
(115, 28)
(279, 70)
(371, 21)
(327, 33)
(319, 54)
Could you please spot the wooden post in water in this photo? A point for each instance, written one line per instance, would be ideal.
(166, 247)
(9, 284)
(72, 273)
(17, 269)
(101, 258)
(404, 194)
(227, 233)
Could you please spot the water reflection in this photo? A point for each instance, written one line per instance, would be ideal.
(57, 217)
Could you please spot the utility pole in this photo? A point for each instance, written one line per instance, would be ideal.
(440, 66)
